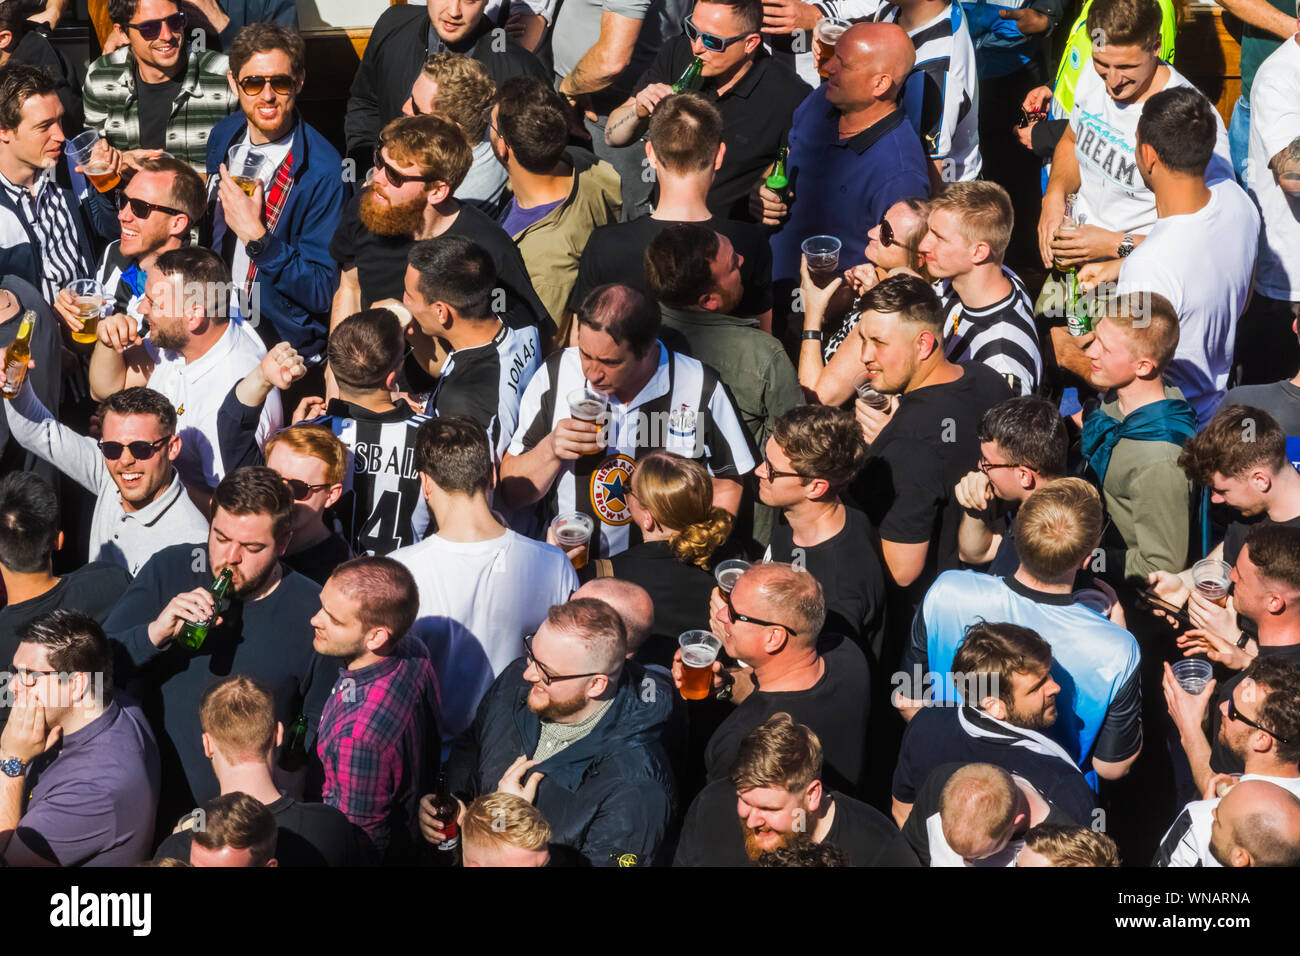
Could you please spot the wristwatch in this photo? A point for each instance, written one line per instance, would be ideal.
(12, 766)
(1125, 246)
(254, 247)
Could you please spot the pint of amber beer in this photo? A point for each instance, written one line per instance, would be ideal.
(571, 530)
(825, 35)
(699, 651)
(1212, 578)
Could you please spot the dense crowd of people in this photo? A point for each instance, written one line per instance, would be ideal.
(382, 494)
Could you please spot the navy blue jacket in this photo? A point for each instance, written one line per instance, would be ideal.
(296, 275)
(609, 796)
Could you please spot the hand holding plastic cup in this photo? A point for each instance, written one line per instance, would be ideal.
(877, 400)
(573, 530)
(88, 297)
(826, 33)
(248, 168)
(1212, 579)
(81, 150)
(727, 573)
(1193, 674)
(823, 255)
(588, 405)
(699, 651)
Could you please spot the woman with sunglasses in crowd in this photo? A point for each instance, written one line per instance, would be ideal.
(825, 370)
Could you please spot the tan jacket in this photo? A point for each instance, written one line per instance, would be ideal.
(552, 246)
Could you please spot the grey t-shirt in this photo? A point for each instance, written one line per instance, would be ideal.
(484, 185)
(577, 27)
(1279, 399)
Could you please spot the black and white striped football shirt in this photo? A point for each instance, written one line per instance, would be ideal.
(1002, 335)
(487, 382)
(684, 408)
(381, 509)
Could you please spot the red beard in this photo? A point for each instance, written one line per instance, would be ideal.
(391, 220)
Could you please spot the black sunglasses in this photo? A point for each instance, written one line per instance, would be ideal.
(140, 450)
(1235, 714)
(152, 29)
(399, 179)
(887, 236)
(253, 85)
(737, 616)
(300, 490)
(547, 677)
(711, 41)
(141, 209)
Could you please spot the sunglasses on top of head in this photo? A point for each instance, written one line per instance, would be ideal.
(281, 83)
(152, 29)
(711, 41)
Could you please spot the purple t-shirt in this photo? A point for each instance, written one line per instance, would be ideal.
(94, 795)
(516, 219)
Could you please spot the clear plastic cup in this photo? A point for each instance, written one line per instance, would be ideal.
(827, 33)
(588, 405)
(823, 255)
(699, 651)
(877, 400)
(1193, 673)
(88, 296)
(574, 529)
(1212, 579)
(248, 167)
(727, 573)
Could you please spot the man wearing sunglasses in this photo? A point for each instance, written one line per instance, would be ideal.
(153, 93)
(756, 95)
(771, 623)
(1260, 727)
(277, 240)
(590, 723)
(140, 504)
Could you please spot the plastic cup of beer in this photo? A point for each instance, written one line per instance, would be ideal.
(1212, 578)
(587, 405)
(1094, 599)
(81, 150)
(874, 399)
(823, 255)
(1193, 674)
(699, 651)
(573, 529)
(248, 168)
(727, 573)
(88, 297)
(827, 33)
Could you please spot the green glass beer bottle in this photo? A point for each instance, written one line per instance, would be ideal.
(1077, 319)
(293, 755)
(779, 179)
(193, 634)
(690, 78)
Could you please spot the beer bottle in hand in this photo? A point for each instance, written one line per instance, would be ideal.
(447, 810)
(193, 634)
(778, 180)
(19, 355)
(293, 755)
(691, 77)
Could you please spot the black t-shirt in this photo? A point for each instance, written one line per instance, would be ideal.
(616, 253)
(756, 117)
(92, 589)
(939, 735)
(1235, 536)
(1006, 561)
(307, 834)
(1223, 760)
(836, 709)
(156, 101)
(680, 593)
(381, 263)
(319, 561)
(848, 569)
(713, 833)
(929, 800)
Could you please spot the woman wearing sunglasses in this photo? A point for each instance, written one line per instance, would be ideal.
(892, 248)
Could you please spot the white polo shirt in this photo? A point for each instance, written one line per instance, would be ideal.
(198, 388)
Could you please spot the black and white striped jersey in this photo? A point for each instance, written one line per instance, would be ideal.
(1187, 842)
(684, 408)
(1003, 335)
(122, 279)
(381, 509)
(487, 382)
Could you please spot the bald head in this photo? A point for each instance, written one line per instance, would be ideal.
(977, 810)
(874, 59)
(1257, 824)
(630, 601)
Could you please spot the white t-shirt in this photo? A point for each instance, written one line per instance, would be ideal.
(197, 389)
(478, 600)
(1187, 842)
(1112, 194)
(1274, 123)
(275, 152)
(1201, 263)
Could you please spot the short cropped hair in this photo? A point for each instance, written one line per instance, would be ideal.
(685, 131)
(532, 119)
(1000, 650)
(912, 299)
(983, 211)
(1179, 123)
(1125, 23)
(365, 348)
(797, 593)
(318, 442)
(822, 441)
(141, 400)
(1279, 710)
(750, 12)
(386, 592)
(465, 92)
(256, 490)
(1057, 527)
(977, 804)
(679, 264)
(1031, 431)
(778, 754)
(204, 277)
(240, 822)
(1237, 440)
(74, 643)
(622, 313)
(188, 194)
(455, 453)
(29, 523)
(503, 819)
(1072, 846)
(1150, 325)
(434, 145)
(457, 271)
(1275, 550)
(598, 626)
(238, 713)
(268, 37)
